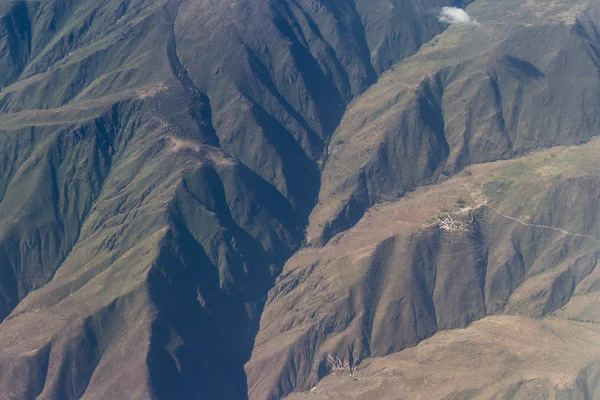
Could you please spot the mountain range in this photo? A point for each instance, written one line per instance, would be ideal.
(300, 199)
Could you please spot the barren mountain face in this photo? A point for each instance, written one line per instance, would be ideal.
(303, 199)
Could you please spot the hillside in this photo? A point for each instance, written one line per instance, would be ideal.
(253, 199)
(149, 197)
(548, 359)
(516, 237)
(377, 279)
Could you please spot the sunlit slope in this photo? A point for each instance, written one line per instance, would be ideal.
(524, 79)
(157, 168)
(502, 237)
(548, 359)
(515, 237)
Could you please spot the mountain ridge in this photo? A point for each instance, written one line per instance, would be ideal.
(168, 166)
(145, 219)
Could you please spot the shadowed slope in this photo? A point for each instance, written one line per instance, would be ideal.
(474, 94)
(156, 175)
(496, 239)
(373, 282)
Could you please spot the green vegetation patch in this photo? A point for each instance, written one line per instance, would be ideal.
(497, 187)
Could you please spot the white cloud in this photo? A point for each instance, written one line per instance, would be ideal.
(456, 16)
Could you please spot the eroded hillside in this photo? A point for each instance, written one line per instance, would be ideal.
(161, 161)
(513, 237)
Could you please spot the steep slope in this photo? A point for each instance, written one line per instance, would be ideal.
(549, 359)
(475, 94)
(293, 75)
(516, 238)
(159, 163)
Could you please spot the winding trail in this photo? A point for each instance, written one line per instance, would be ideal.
(540, 226)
